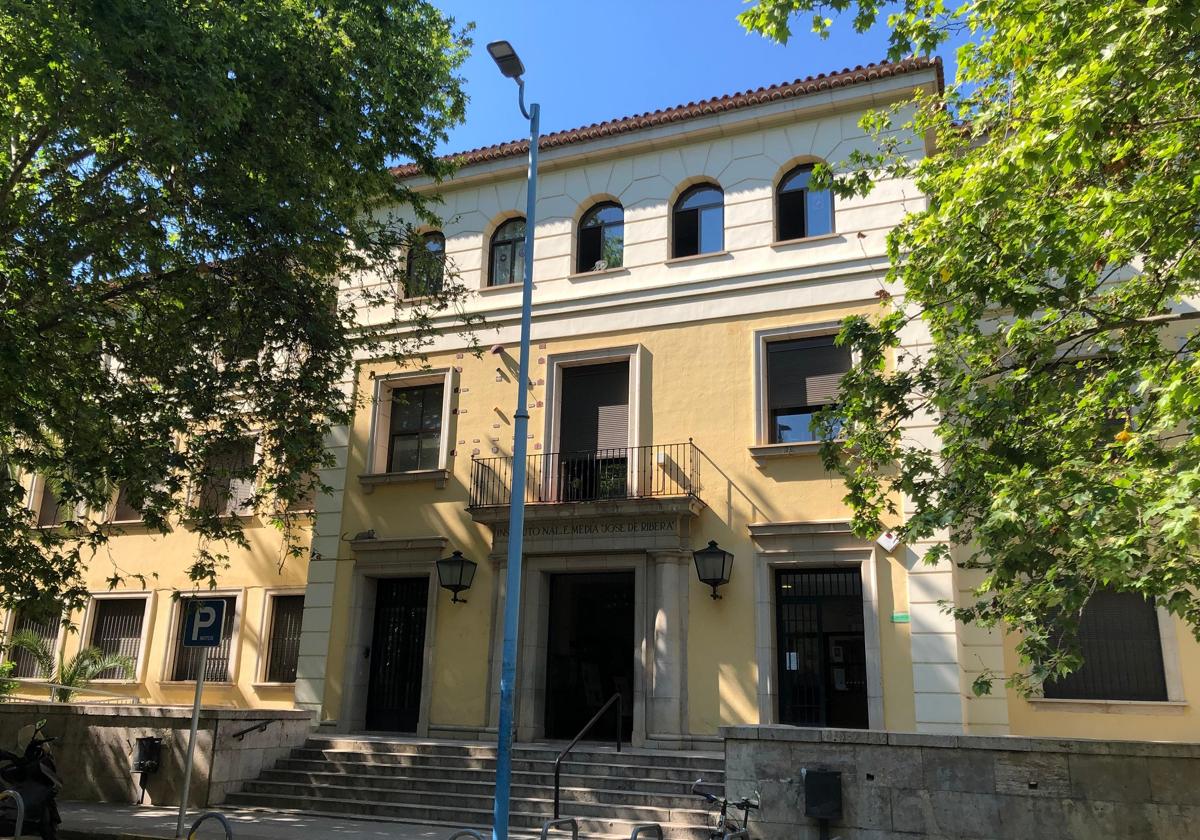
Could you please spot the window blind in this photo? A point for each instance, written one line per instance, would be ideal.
(805, 372)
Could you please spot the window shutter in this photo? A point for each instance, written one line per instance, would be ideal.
(805, 372)
(595, 408)
(117, 629)
(613, 422)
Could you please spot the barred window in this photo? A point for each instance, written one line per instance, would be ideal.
(117, 630)
(283, 641)
(187, 659)
(1122, 652)
(25, 667)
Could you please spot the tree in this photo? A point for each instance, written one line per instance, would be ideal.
(77, 672)
(195, 199)
(1057, 269)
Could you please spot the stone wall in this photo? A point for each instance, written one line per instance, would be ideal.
(900, 785)
(96, 744)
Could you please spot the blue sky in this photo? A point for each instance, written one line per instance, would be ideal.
(591, 61)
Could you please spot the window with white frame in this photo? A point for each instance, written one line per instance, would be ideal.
(124, 510)
(1121, 645)
(283, 638)
(117, 630)
(186, 663)
(802, 376)
(50, 511)
(230, 486)
(411, 432)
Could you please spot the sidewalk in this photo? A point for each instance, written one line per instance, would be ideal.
(101, 821)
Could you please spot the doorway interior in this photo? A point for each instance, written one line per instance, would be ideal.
(589, 651)
(821, 648)
(397, 654)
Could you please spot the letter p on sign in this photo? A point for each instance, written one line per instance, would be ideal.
(203, 621)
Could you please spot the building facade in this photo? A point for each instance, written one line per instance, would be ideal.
(688, 283)
(141, 618)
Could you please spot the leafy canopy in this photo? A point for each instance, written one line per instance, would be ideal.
(1057, 269)
(185, 188)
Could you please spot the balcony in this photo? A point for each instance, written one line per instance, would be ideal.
(659, 471)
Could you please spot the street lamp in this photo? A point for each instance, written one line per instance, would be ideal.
(713, 566)
(510, 65)
(456, 574)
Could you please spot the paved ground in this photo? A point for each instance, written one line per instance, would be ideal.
(133, 822)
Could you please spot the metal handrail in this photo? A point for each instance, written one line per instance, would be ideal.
(646, 827)
(19, 823)
(212, 815)
(261, 726)
(616, 698)
(555, 823)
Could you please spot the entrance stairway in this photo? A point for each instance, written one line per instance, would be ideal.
(451, 783)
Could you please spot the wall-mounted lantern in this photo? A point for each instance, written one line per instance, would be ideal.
(713, 566)
(456, 573)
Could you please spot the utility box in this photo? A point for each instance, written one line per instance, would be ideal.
(147, 755)
(823, 794)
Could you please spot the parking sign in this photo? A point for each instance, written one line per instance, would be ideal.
(202, 623)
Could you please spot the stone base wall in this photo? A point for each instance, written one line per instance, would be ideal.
(96, 745)
(931, 787)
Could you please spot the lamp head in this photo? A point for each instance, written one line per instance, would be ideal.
(506, 59)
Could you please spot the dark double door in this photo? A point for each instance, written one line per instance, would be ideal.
(821, 648)
(590, 652)
(397, 655)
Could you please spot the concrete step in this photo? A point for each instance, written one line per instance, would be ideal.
(541, 805)
(677, 796)
(614, 766)
(548, 752)
(451, 814)
(574, 786)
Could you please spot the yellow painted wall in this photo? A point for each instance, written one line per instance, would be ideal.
(163, 561)
(698, 382)
(1177, 721)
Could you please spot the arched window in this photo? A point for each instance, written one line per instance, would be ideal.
(800, 211)
(507, 263)
(698, 222)
(601, 238)
(426, 269)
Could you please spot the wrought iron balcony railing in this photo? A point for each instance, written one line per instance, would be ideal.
(636, 472)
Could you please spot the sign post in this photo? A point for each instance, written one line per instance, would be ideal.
(202, 625)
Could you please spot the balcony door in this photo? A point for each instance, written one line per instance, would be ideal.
(593, 446)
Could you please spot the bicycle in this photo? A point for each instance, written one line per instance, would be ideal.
(727, 827)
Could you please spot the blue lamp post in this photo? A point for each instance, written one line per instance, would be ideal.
(510, 65)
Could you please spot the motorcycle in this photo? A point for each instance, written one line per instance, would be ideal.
(34, 776)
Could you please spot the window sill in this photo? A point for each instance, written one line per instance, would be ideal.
(596, 275)
(710, 255)
(369, 481)
(806, 240)
(182, 683)
(1111, 707)
(273, 685)
(786, 450)
(507, 287)
(115, 682)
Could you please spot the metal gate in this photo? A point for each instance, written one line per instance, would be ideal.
(804, 599)
(397, 654)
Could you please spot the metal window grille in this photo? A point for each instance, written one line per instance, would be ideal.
(284, 641)
(117, 630)
(187, 659)
(25, 667)
(1122, 652)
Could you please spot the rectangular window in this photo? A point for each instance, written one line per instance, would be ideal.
(187, 659)
(123, 510)
(25, 666)
(117, 630)
(50, 511)
(229, 488)
(283, 641)
(1122, 652)
(415, 431)
(803, 376)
